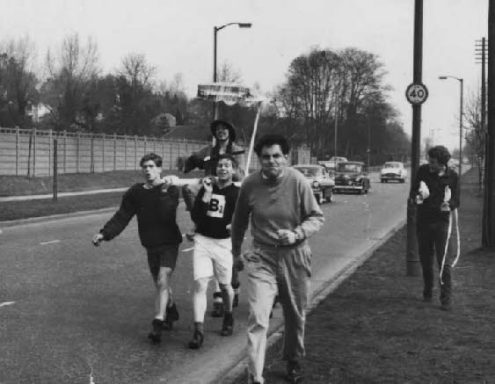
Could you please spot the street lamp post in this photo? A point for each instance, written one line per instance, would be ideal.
(215, 30)
(461, 107)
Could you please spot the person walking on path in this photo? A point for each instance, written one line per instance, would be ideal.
(207, 158)
(437, 195)
(154, 202)
(279, 203)
(212, 213)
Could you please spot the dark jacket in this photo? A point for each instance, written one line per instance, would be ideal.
(212, 218)
(207, 158)
(429, 211)
(156, 210)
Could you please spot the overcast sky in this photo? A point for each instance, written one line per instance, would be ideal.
(176, 36)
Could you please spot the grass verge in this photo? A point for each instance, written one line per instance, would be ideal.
(374, 328)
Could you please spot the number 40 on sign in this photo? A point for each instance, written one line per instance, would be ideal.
(416, 93)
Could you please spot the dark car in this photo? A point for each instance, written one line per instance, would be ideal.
(319, 179)
(351, 176)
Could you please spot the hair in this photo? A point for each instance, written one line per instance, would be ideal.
(272, 139)
(440, 153)
(153, 157)
(228, 156)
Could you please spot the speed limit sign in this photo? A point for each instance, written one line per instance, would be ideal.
(416, 93)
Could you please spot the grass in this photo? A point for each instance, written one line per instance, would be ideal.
(19, 186)
(376, 329)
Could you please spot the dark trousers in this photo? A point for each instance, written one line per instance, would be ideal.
(432, 240)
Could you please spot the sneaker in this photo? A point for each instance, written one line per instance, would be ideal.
(228, 325)
(171, 316)
(156, 334)
(294, 372)
(251, 379)
(197, 340)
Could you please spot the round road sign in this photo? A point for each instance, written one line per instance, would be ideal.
(416, 93)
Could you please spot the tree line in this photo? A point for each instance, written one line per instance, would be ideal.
(329, 99)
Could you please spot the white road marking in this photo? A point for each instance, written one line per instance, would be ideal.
(49, 242)
(4, 304)
(188, 249)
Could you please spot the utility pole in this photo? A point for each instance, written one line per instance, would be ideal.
(416, 94)
(488, 238)
(480, 52)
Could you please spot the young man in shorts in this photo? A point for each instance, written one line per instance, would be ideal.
(154, 202)
(212, 213)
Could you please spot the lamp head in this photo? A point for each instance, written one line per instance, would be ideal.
(244, 25)
(442, 77)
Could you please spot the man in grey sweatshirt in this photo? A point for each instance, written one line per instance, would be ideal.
(283, 215)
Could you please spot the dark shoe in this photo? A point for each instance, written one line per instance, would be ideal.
(197, 340)
(171, 316)
(251, 379)
(190, 235)
(156, 334)
(218, 309)
(294, 372)
(228, 325)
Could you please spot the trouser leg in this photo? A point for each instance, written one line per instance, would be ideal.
(426, 252)
(443, 245)
(262, 289)
(293, 296)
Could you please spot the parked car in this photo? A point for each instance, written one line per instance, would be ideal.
(393, 171)
(320, 180)
(333, 162)
(351, 176)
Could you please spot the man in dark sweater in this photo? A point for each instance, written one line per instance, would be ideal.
(154, 202)
(212, 213)
(436, 192)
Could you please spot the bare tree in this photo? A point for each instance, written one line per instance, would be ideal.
(18, 81)
(72, 73)
(475, 134)
(136, 70)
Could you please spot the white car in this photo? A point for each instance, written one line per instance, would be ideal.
(321, 182)
(393, 171)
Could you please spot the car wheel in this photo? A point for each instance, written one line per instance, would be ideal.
(402, 180)
(382, 181)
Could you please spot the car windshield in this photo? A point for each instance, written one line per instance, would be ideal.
(309, 171)
(349, 167)
(391, 165)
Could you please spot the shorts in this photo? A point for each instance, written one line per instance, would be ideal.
(212, 257)
(162, 256)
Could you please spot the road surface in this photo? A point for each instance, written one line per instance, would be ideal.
(72, 313)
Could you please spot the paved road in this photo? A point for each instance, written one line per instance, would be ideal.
(70, 312)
